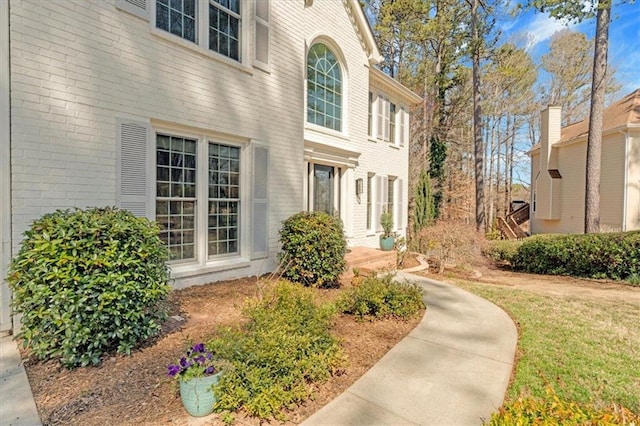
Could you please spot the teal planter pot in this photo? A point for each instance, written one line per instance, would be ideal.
(196, 394)
(386, 243)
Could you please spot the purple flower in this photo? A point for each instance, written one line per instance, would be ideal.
(173, 370)
(197, 362)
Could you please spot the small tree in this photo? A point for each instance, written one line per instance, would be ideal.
(424, 209)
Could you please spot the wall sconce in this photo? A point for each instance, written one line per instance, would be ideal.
(359, 186)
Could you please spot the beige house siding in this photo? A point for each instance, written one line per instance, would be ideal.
(571, 163)
(633, 180)
(612, 182)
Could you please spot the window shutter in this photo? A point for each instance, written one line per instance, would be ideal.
(381, 199)
(139, 8)
(386, 120)
(262, 32)
(380, 108)
(403, 126)
(260, 203)
(132, 160)
(398, 203)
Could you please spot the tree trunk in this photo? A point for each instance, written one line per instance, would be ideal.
(477, 120)
(594, 140)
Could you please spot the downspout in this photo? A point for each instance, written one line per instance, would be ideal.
(5, 168)
(626, 180)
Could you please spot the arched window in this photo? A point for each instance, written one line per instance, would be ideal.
(324, 88)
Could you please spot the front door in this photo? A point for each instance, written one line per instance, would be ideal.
(323, 188)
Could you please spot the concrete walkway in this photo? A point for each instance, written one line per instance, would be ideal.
(452, 369)
(17, 406)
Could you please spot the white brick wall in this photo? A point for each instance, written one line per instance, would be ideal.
(78, 65)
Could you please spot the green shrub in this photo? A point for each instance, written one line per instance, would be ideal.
(502, 251)
(381, 297)
(614, 256)
(277, 356)
(313, 248)
(555, 411)
(88, 282)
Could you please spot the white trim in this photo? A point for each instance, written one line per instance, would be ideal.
(201, 45)
(5, 168)
(626, 180)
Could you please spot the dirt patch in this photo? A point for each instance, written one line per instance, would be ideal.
(561, 286)
(128, 390)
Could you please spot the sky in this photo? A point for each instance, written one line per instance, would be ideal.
(534, 30)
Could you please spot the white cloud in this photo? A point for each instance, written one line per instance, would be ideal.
(542, 27)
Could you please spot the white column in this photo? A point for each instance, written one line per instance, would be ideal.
(347, 196)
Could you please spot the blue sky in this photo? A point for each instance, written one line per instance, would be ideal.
(535, 30)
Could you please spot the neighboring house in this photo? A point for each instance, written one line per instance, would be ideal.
(217, 118)
(558, 169)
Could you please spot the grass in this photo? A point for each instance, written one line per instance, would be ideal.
(588, 351)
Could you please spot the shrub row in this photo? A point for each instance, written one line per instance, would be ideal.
(285, 347)
(88, 282)
(381, 297)
(555, 411)
(613, 255)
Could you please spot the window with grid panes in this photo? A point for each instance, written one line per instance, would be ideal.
(177, 17)
(390, 196)
(224, 199)
(324, 88)
(176, 194)
(224, 27)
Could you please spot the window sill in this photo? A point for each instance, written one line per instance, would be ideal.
(218, 265)
(394, 146)
(326, 131)
(195, 47)
(374, 140)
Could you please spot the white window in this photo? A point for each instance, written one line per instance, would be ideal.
(324, 88)
(224, 27)
(193, 187)
(380, 108)
(391, 206)
(177, 17)
(224, 200)
(209, 25)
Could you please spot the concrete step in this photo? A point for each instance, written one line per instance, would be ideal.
(370, 259)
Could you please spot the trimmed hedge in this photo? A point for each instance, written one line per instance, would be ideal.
(88, 282)
(313, 249)
(614, 256)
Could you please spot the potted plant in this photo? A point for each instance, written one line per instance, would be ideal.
(387, 238)
(197, 374)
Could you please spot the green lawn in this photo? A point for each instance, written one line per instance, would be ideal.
(588, 350)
